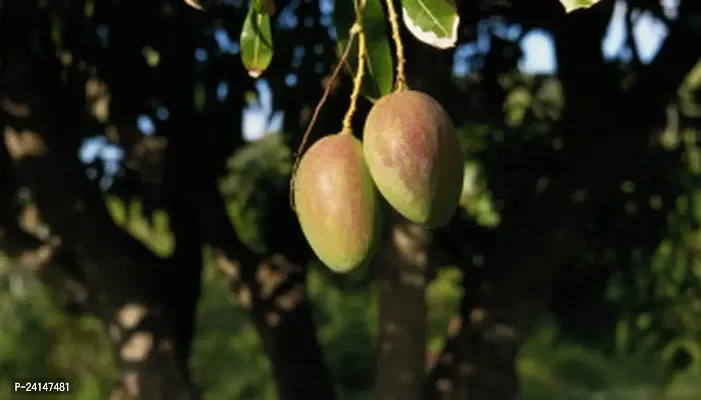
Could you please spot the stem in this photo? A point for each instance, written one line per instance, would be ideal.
(312, 121)
(357, 29)
(400, 83)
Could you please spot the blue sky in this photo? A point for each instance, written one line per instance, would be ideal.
(537, 46)
(649, 33)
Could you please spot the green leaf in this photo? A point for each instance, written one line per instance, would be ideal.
(196, 4)
(264, 6)
(256, 41)
(434, 22)
(572, 5)
(379, 71)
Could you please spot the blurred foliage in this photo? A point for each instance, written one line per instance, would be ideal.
(38, 339)
(256, 174)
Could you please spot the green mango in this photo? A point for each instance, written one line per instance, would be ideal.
(337, 203)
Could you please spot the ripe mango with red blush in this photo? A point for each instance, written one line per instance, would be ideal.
(414, 156)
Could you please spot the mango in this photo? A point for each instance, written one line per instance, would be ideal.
(337, 203)
(414, 157)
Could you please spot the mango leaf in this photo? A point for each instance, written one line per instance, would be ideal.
(264, 6)
(434, 22)
(196, 4)
(256, 40)
(379, 65)
(571, 5)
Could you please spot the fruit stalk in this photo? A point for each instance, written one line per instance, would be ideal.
(357, 29)
(400, 83)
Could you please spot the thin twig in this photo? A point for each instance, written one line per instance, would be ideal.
(400, 83)
(360, 72)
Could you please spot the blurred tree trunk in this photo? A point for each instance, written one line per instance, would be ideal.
(270, 287)
(403, 260)
(403, 263)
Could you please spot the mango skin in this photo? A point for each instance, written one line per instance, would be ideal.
(414, 156)
(337, 203)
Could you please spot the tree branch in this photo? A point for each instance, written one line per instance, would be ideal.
(187, 260)
(270, 287)
(659, 81)
(630, 36)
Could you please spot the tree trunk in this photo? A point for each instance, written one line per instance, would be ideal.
(270, 287)
(403, 263)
